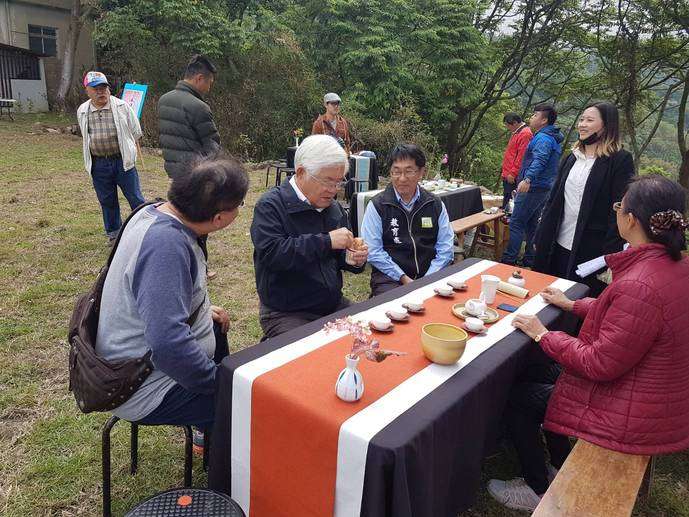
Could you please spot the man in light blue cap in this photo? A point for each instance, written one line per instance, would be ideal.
(110, 130)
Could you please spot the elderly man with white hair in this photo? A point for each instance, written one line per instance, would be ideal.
(302, 241)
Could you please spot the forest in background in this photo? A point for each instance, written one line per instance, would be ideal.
(438, 72)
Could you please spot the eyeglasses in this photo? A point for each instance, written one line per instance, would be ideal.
(330, 185)
(617, 206)
(334, 103)
(397, 173)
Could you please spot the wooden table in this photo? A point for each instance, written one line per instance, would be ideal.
(496, 241)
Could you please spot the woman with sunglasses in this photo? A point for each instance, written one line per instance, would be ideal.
(625, 386)
(578, 223)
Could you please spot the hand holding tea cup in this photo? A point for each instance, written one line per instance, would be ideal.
(341, 239)
(359, 251)
(558, 298)
(529, 325)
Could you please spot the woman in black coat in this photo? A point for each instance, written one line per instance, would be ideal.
(578, 222)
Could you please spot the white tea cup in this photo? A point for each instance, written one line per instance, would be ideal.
(398, 312)
(381, 322)
(489, 287)
(444, 290)
(415, 304)
(476, 306)
(475, 324)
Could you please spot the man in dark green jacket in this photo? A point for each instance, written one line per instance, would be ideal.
(185, 121)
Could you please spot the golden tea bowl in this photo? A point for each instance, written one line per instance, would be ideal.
(443, 343)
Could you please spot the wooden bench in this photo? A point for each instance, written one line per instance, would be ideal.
(594, 482)
(7, 105)
(494, 241)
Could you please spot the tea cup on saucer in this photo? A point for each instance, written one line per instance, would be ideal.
(444, 290)
(398, 313)
(474, 325)
(414, 304)
(381, 322)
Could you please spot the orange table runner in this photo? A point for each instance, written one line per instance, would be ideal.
(296, 416)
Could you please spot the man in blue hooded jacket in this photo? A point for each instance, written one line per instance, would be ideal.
(536, 177)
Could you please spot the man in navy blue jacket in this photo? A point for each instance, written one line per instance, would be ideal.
(302, 240)
(536, 177)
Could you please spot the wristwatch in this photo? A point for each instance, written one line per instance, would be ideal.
(538, 338)
(528, 180)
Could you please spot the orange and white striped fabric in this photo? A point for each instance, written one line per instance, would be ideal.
(299, 450)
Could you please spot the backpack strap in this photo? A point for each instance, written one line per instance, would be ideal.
(195, 314)
(129, 218)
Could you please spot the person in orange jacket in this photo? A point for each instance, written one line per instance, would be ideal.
(333, 124)
(516, 147)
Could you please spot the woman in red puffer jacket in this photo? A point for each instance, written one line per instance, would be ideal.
(625, 384)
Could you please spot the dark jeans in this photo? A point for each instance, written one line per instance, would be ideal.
(107, 174)
(275, 323)
(524, 416)
(183, 407)
(507, 189)
(523, 223)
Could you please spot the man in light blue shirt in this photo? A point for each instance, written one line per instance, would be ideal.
(406, 228)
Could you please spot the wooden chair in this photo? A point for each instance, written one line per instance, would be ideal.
(494, 240)
(595, 482)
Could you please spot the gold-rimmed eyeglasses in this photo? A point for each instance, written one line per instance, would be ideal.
(330, 185)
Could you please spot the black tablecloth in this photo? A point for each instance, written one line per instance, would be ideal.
(427, 462)
(458, 203)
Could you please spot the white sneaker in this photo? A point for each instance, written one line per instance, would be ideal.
(514, 493)
(552, 472)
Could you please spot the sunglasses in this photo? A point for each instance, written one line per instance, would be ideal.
(335, 103)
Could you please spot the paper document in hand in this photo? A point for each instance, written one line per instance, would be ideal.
(591, 266)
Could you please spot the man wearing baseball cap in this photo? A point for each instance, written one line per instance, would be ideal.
(332, 123)
(110, 130)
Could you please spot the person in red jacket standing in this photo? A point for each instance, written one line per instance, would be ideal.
(516, 147)
(624, 386)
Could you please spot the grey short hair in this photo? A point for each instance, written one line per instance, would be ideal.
(319, 151)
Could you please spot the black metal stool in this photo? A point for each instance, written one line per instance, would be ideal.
(187, 502)
(134, 458)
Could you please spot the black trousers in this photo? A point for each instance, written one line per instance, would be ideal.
(275, 323)
(524, 415)
(507, 189)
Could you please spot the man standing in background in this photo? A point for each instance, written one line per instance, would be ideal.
(536, 177)
(185, 122)
(520, 137)
(333, 124)
(110, 130)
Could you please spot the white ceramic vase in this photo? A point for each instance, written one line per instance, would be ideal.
(350, 384)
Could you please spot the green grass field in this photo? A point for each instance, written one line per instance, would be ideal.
(51, 248)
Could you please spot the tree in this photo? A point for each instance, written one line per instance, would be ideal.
(80, 12)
